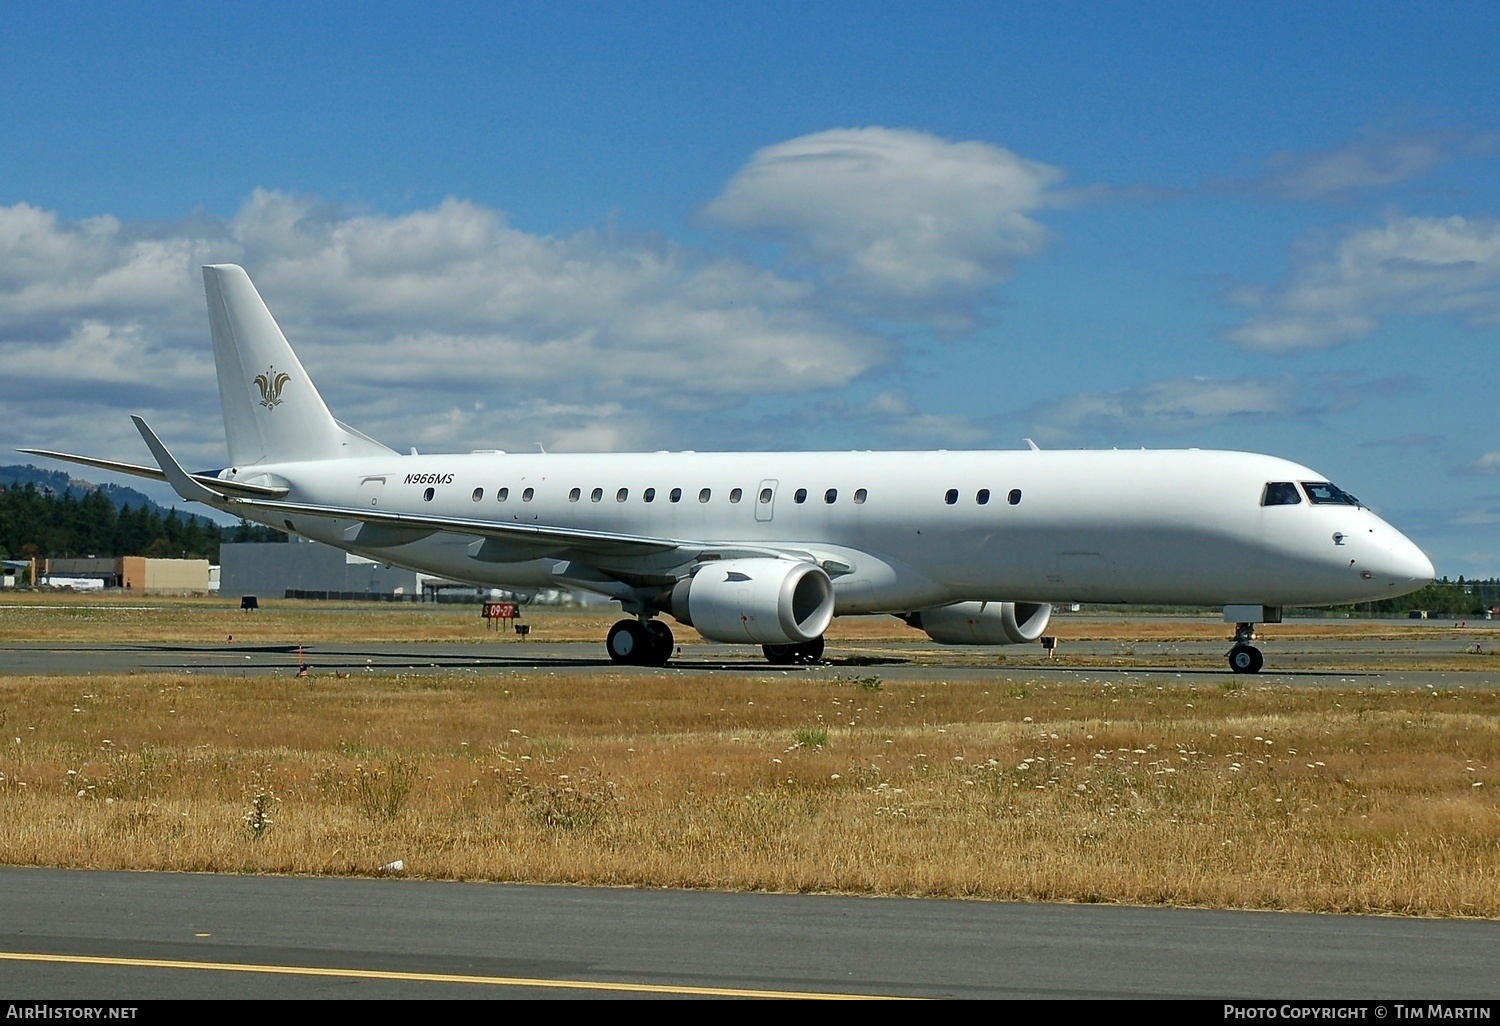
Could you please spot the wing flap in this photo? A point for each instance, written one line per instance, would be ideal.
(536, 539)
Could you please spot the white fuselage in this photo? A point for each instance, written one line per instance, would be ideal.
(1127, 526)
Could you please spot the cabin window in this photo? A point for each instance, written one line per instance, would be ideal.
(982, 496)
(478, 494)
(765, 496)
(952, 497)
(705, 495)
(831, 496)
(735, 494)
(428, 494)
(502, 495)
(800, 495)
(527, 494)
(596, 495)
(622, 495)
(860, 496)
(649, 495)
(574, 495)
(1014, 498)
(676, 495)
(1321, 493)
(1280, 493)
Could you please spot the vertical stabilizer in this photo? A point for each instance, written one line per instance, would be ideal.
(272, 412)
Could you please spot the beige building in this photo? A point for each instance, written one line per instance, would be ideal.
(145, 576)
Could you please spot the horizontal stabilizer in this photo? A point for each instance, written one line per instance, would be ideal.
(155, 474)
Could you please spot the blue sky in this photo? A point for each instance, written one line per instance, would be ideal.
(856, 226)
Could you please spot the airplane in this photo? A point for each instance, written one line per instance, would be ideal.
(766, 548)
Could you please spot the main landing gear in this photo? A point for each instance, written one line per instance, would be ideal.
(1245, 657)
(803, 654)
(640, 642)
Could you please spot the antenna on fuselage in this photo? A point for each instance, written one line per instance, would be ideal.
(542, 447)
(1032, 445)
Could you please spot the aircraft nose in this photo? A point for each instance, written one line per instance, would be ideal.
(1405, 564)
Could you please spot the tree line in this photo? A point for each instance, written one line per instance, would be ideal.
(41, 523)
(1445, 598)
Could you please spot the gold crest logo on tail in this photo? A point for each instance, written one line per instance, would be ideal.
(270, 383)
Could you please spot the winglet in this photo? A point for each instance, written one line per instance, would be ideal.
(180, 480)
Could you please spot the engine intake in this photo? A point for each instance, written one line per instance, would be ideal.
(760, 601)
(983, 623)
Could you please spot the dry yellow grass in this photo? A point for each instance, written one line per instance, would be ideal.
(69, 617)
(1348, 800)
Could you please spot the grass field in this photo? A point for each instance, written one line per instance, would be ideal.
(65, 616)
(1228, 794)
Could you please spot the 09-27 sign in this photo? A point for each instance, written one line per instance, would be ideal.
(499, 611)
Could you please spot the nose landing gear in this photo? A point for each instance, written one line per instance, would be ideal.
(1245, 657)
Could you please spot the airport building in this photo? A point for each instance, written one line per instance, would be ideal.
(306, 569)
(139, 575)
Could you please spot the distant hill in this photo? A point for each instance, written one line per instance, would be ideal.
(59, 483)
(48, 513)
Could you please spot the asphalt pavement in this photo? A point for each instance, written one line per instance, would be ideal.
(88, 935)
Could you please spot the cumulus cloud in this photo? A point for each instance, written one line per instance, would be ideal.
(447, 326)
(1408, 266)
(894, 219)
(1191, 403)
(405, 319)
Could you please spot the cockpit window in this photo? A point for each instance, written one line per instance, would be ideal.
(1280, 493)
(1321, 493)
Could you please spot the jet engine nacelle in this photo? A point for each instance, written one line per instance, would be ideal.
(759, 601)
(984, 623)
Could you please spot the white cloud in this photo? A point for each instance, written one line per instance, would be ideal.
(1192, 403)
(1364, 165)
(403, 317)
(1172, 404)
(1489, 463)
(892, 217)
(447, 327)
(1410, 266)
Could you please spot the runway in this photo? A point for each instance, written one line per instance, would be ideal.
(68, 934)
(1297, 662)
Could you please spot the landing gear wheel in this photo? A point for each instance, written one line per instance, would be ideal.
(779, 655)
(802, 654)
(628, 642)
(1245, 659)
(662, 643)
(808, 652)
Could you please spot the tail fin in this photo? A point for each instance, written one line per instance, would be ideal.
(272, 412)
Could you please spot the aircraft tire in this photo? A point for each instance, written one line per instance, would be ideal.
(780, 655)
(808, 652)
(1245, 659)
(628, 643)
(801, 654)
(662, 643)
